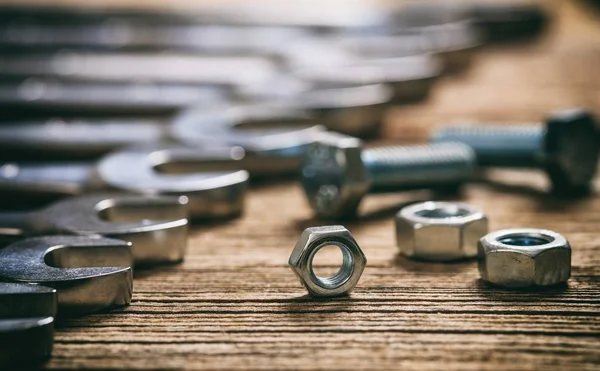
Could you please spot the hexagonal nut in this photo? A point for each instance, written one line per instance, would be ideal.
(524, 257)
(334, 176)
(309, 243)
(440, 231)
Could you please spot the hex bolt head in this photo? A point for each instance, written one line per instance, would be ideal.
(337, 172)
(524, 258)
(309, 243)
(566, 147)
(440, 231)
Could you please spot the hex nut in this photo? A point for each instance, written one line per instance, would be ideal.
(309, 243)
(440, 231)
(524, 257)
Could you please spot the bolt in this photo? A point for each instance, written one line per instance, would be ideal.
(566, 147)
(337, 172)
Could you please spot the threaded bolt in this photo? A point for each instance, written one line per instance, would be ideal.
(337, 172)
(566, 147)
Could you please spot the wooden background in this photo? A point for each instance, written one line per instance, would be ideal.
(235, 304)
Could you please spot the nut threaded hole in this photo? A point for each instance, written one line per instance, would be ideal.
(444, 212)
(333, 279)
(524, 240)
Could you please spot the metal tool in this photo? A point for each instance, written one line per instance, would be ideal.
(76, 138)
(411, 77)
(309, 244)
(224, 71)
(451, 43)
(524, 257)
(494, 20)
(210, 193)
(27, 315)
(273, 138)
(155, 226)
(566, 147)
(440, 231)
(89, 274)
(337, 172)
(135, 34)
(51, 97)
(353, 110)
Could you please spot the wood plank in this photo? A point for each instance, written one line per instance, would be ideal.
(234, 303)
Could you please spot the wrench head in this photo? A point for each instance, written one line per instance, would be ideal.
(27, 323)
(266, 129)
(26, 342)
(155, 226)
(89, 274)
(18, 300)
(571, 149)
(210, 193)
(334, 176)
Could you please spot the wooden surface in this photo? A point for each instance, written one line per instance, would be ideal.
(235, 304)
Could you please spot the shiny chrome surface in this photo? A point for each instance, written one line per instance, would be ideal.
(89, 274)
(308, 245)
(440, 231)
(210, 192)
(524, 257)
(155, 226)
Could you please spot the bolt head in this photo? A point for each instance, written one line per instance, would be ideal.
(334, 176)
(524, 257)
(571, 146)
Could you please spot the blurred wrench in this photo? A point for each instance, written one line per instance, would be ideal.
(411, 77)
(155, 226)
(27, 315)
(118, 33)
(49, 96)
(210, 194)
(273, 138)
(89, 274)
(354, 110)
(77, 138)
(211, 70)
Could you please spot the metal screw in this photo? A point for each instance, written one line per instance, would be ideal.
(337, 172)
(566, 147)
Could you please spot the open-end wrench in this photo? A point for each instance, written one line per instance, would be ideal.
(272, 137)
(210, 193)
(126, 67)
(27, 315)
(76, 138)
(89, 274)
(50, 96)
(155, 226)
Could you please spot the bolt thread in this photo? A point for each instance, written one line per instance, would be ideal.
(499, 145)
(419, 166)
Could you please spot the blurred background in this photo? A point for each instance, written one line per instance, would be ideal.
(81, 81)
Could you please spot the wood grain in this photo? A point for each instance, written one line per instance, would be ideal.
(234, 303)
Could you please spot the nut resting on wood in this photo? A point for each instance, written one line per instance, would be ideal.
(314, 239)
(524, 257)
(440, 231)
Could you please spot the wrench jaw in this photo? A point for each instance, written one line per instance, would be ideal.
(26, 342)
(102, 280)
(27, 324)
(155, 226)
(211, 194)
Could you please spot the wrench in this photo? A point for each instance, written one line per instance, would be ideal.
(26, 323)
(155, 226)
(273, 138)
(211, 194)
(47, 96)
(89, 274)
